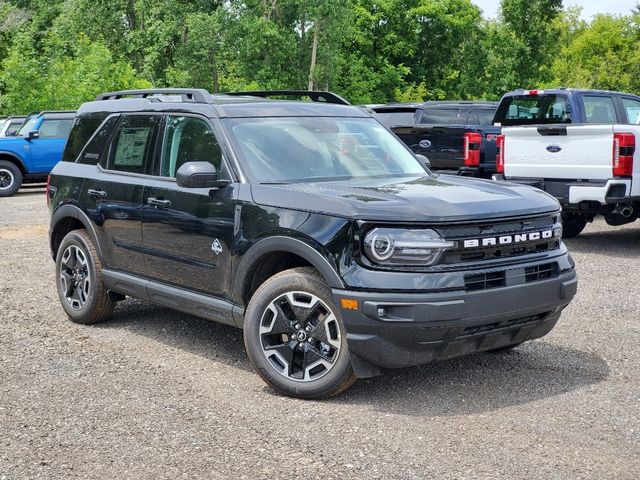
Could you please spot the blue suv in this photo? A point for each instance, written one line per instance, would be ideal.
(34, 151)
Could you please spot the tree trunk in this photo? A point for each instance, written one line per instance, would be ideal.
(314, 54)
(214, 72)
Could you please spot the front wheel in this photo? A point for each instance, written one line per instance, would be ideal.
(10, 178)
(295, 337)
(572, 224)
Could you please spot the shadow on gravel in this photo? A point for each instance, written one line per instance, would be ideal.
(28, 190)
(205, 338)
(480, 383)
(615, 242)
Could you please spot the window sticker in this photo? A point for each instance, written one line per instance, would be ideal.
(131, 146)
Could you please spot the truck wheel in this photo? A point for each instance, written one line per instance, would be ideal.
(295, 337)
(572, 224)
(10, 178)
(79, 280)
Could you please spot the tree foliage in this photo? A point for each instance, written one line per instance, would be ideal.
(59, 53)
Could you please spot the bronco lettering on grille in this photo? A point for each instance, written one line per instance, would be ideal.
(511, 239)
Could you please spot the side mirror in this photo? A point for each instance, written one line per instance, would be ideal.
(423, 160)
(33, 134)
(199, 175)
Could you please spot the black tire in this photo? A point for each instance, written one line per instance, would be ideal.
(77, 260)
(506, 348)
(10, 178)
(302, 294)
(572, 224)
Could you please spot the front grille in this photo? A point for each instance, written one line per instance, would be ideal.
(541, 272)
(461, 255)
(484, 281)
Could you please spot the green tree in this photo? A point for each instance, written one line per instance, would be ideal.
(531, 23)
(604, 55)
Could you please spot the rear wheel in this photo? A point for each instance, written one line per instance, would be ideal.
(295, 337)
(10, 178)
(572, 224)
(82, 293)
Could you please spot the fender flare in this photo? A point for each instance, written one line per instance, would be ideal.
(72, 211)
(289, 245)
(17, 159)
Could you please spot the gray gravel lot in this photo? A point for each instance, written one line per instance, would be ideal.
(158, 394)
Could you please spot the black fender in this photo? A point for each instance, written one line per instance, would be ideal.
(73, 211)
(289, 245)
(16, 158)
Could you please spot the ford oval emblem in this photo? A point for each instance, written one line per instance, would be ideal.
(425, 143)
(554, 148)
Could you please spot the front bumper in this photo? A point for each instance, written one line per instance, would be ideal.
(391, 330)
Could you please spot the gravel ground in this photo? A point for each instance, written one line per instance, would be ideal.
(159, 394)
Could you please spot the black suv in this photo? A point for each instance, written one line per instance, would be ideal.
(309, 225)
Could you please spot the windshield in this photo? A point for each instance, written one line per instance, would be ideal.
(533, 110)
(287, 149)
(29, 125)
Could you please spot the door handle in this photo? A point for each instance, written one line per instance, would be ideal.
(96, 193)
(159, 202)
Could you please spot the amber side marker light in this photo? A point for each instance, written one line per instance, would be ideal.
(349, 303)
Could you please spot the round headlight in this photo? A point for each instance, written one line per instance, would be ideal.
(381, 247)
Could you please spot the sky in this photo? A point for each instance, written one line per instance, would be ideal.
(589, 7)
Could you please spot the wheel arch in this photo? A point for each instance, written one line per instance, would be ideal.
(65, 219)
(13, 158)
(273, 255)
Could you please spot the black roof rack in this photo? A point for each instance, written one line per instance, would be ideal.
(326, 97)
(195, 95)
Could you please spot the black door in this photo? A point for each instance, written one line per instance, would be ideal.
(188, 232)
(112, 194)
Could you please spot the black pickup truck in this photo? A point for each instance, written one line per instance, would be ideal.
(457, 137)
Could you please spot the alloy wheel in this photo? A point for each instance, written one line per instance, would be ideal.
(6, 179)
(300, 336)
(74, 277)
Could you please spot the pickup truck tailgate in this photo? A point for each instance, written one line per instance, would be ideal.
(559, 151)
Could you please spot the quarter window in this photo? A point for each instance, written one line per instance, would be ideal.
(599, 110)
(188, 139)
(134, 144)
(632, 107)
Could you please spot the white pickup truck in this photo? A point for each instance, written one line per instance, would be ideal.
(577, 145)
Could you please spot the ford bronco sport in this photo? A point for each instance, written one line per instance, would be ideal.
(307, 224)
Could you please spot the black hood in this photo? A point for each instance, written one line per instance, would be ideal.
(443, 198)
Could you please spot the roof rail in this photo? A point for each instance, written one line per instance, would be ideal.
(195, 95)
(42, 112)
(327, 97)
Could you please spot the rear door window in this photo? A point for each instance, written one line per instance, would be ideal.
(133, 146)
(599, 109)
(533, 110)
(632, 109)
(440, 116)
